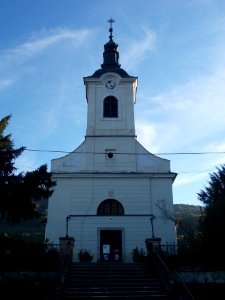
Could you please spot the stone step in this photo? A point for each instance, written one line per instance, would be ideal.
(116, 297)
(111, 282)
(120, 281)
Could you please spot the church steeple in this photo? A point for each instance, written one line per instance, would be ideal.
(110, 58)
(111, 54)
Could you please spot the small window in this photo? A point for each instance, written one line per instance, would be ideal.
(110, 153)
(110, 207)
(110, 109)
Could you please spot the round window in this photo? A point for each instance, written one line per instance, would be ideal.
(110, 155)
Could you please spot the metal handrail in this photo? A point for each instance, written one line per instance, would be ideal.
(55, 292)
(173, 277)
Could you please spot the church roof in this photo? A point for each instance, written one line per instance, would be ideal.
(110, 58)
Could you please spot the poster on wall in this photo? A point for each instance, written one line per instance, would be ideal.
(106, 249)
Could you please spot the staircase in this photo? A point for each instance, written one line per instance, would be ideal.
(111, 281)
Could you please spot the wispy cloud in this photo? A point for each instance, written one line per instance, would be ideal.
(11, 59)
(147, 133)
(139, 48)
(192, 111)
(46, 89)
(5, 83)
(185, 179)
(40, 41)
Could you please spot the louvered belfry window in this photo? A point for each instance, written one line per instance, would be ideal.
(110, 207)
(110, 109)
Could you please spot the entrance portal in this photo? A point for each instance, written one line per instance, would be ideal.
(110, 245)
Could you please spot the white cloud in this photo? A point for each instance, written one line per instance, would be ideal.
(215, 146)
(217, 159)
(147, 134)
(39, 42)
(138, 49)
(5, 83)
(197, 168)
(49, 38)
(51, 117)
(185, 179)
(192, 112)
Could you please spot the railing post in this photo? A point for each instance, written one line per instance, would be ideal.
(152, 217)
(153, 245)
(67, 224)
(66, 245)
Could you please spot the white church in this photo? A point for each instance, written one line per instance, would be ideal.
(109, 189)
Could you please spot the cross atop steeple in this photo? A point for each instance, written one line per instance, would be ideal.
(111, 29)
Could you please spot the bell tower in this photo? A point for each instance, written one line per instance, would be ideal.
(111, 95)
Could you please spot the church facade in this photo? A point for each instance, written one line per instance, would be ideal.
(111, 193)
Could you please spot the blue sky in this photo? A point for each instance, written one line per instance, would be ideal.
(176, 48)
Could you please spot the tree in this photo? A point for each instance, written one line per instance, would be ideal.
(212, 223)
(19, 192)
(187, 222)
(166, 213)
(7, 153)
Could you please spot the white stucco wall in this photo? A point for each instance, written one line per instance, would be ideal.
(129, 156)
(124, 91)
(81, 195)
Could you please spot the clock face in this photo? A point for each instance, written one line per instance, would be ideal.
(110, 84)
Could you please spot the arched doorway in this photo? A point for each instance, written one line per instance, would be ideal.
(110, 238)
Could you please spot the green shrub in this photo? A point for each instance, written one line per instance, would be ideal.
(85, 255)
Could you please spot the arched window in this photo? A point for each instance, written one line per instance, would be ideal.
(110, 107)
(110, 207)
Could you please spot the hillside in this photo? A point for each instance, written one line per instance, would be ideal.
(187, 217)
